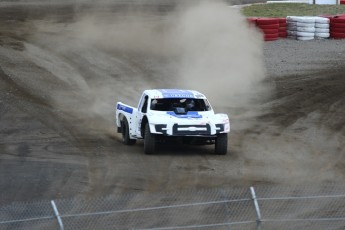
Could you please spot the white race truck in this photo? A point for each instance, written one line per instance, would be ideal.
(172, 113)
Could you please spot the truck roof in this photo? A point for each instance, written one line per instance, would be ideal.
(174, 93)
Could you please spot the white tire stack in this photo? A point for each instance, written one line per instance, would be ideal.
(321, 28)
(301, 28)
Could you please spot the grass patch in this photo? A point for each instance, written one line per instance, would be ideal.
(290, 9)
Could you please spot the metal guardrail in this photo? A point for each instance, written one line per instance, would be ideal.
(241, 208)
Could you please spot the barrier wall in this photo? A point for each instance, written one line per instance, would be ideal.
(301, 28)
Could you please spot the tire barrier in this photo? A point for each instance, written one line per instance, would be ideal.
(305, 34)
(321, 20)
(338, 30)
(307, 28)
(302, 28)
(305, 38)
(273, 26)
(303, 19)
(306, 24)
(271, 37)
(282, 27)
(337, 27)
(269, 27)
(322, 28)
(322, 35)
(336, 35)
(291, 34)
(266, 21)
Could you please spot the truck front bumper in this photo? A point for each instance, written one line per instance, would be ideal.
(189, 130)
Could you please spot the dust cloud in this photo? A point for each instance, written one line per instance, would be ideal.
(210, 46)
(105, 56)
(220, 55)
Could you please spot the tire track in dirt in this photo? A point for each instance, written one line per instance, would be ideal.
(298, 96)
(29, 126)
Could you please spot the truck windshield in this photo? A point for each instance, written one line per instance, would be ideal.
(186, 104)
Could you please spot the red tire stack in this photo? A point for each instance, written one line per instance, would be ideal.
(337, 27)
(282, 27)
(270, 28)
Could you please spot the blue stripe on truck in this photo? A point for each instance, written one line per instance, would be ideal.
(125, 108)
(190, 114)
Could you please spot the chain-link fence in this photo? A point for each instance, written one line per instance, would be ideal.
(262, 207)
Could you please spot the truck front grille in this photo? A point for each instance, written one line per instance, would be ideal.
(179, 130)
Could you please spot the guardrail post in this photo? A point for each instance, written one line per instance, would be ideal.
(257, 209)
(57, 214)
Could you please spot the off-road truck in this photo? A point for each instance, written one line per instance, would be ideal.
(172, 113)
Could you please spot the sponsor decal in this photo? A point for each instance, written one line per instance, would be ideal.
(176, 93)
(189, 115)
(125, 108)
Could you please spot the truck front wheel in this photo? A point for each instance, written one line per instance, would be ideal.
(149, 141)
(125, 133)
(221, 146)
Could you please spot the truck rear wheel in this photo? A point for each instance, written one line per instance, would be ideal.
(149, 141)
(125, 133)
(221, 146)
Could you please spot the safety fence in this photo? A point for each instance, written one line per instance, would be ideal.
(262, 207)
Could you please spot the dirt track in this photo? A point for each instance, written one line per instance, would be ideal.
(58, 140)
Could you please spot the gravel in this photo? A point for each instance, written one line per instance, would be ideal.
(291, 57)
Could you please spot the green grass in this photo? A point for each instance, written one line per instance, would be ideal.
(291, 9)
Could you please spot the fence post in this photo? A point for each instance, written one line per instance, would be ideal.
(257, 209)
(57, 214)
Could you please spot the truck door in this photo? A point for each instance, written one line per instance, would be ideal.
(142, 110)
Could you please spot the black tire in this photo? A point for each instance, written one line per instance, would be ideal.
(125, 133)
(221, 146)
(149, 141)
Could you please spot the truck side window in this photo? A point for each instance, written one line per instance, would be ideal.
(144, 108)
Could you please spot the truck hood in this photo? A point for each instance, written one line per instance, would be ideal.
(191, 117)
